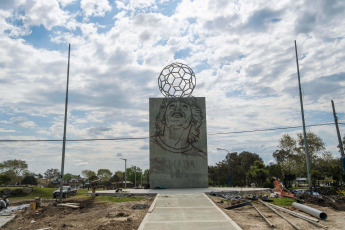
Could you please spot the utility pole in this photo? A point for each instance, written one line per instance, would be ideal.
(64, 129)
(125, 171)
(135, 176)
(339, 136)
(304, 132)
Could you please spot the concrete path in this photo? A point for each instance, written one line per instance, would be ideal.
(5, 219)
(185, 211)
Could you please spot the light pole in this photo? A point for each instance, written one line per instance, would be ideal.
(228, 157)
(125, 171)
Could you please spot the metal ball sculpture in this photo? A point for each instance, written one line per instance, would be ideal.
(177, 80)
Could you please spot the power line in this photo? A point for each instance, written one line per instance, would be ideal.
(142, 138)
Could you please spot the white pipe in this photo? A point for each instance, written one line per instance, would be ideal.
(312, 211)
(293, 213)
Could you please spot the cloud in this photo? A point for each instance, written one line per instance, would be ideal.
(119, 155)
(98, 130)
(23, 122)
(95, 8)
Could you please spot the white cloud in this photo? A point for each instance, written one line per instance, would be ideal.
(95, 8)
(41, 12)
(23, 122)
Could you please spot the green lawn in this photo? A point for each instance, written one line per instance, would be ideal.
(43, 193)
(283, 201)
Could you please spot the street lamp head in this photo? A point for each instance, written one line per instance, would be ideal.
(123, 159)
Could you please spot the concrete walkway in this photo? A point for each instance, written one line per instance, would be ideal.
(185, 211)
(5, 219)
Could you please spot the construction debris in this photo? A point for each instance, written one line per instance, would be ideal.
(268, 222)
(311, 211)
(276, 212)
(238, 205)
(70, 205)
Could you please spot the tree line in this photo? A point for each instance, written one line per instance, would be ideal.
(15, 172)
(240, 169)
(245, 168)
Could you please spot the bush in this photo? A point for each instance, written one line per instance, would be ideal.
(268, 184)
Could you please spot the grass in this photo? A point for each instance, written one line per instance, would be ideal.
(114, 199)
(44, 193)
(283, 201)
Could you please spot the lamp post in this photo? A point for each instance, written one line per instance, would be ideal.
(125, 171)
(228, 157)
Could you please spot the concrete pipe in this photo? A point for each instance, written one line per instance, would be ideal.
(311, 211)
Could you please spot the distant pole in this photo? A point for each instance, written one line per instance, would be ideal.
(228, 158)
(339, 136)
(64, 128)
(135, 176)
(125, 171)
(304, 132)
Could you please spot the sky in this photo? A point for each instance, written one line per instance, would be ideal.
(242, 53)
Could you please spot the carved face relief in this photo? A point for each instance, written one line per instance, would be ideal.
(178, 115)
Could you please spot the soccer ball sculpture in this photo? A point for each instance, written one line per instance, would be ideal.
(177, 80)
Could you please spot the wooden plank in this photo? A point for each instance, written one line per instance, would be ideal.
(69, 205)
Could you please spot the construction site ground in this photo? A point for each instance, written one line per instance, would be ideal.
(248, 218)
(96, 214)
(92, 214)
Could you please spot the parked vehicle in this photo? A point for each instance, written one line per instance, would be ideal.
(66, 192)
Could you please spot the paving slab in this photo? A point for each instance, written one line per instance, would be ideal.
(185, 211)
(5, 219)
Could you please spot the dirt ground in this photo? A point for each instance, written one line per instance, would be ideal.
(248, 218)
(91, 215)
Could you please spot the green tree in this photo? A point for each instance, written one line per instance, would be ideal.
(88, 173)
(4, 179)
(291, 156)
(68, 176)
(16, 166)
(238, 165)
(118, 176)
(146, 176)
(52, 173)
(30, 180)
(104, 174)
(258, 173)
(275, 170)
(134, 174)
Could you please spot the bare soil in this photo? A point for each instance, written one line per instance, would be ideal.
(91, 215)
(248, 218)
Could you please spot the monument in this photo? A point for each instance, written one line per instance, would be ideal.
(178, 142)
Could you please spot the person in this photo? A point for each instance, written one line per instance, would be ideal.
(178, 126)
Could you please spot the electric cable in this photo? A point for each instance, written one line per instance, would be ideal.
(142, 138)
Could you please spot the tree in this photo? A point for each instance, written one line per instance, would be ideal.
(238, 165)
(4, 179)
(275, 170)
(134, 174)
(291, 155)
(30, 179)
(88, 173)
(104, 174)
(146, 176)
(258, 173)
(117, 177)
(16, 166)
(68, 176)
(52, 173)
